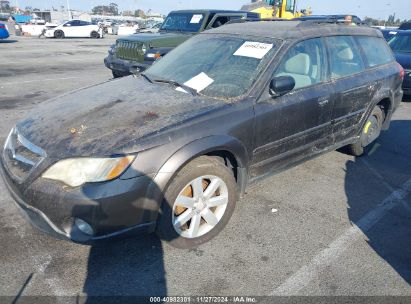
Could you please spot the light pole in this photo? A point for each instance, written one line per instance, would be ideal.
(68, 9)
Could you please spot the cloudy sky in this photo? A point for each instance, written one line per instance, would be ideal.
(374, 8)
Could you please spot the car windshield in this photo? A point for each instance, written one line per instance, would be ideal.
(401, 43)
(185, 22)
(217, 66)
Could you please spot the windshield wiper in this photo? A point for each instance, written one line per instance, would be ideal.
(177, 84)
(147, 77)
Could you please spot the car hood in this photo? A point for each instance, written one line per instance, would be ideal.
(112, 118)
(160, 39)
(404, 59)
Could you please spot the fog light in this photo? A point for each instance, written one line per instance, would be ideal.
(84, 226)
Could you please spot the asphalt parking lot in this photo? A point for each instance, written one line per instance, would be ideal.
(336, 225)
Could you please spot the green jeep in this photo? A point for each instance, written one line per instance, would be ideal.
(133, 54)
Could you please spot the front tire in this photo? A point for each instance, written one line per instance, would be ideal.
(198, 203)
(116, 74)
(369, 134)
(59, 34)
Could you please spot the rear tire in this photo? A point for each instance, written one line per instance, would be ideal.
(207, 211)
(369, 134)
(59, 34)
(94, 35)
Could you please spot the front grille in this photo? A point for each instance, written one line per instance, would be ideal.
(21, 156)
(130, 50)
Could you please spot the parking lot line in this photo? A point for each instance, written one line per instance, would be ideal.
(328, 256)
(38, 80)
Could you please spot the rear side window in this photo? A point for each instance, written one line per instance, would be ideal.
(345, 57)
(376, 51)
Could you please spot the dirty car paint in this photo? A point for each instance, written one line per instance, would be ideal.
(108, 118)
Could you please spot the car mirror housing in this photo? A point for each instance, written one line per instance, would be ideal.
(281, 85)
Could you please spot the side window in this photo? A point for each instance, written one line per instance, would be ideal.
(219, 21)
(345, 57)
(376, 50)
(75, 23)
(305, 62)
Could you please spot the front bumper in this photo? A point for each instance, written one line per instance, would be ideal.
(49, 34)
(126, 67)
(113, 209)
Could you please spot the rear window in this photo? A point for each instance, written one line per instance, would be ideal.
(376, 51)
(345, 57)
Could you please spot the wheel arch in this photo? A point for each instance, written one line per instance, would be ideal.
(385, 100)
(229, 148)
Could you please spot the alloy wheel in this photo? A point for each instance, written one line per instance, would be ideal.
(200, 206)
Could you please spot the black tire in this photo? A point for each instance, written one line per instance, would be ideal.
(59, 34)
(199, 167)
(117, 74)
(368, 137)
(94, 35)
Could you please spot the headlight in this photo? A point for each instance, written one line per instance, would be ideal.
(78, 171)
(112, 49)
(144, 48)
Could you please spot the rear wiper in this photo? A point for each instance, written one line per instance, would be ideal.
(147, 77)
(177, 84)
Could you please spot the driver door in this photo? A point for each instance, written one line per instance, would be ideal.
(69, 28)
(294, 126)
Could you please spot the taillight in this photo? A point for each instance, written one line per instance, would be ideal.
(402, 72)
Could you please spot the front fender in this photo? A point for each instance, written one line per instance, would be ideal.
(200, 147)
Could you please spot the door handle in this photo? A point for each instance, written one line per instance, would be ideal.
(323, 102)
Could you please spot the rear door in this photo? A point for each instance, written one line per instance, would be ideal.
(85, 29)
(294, 126)
(351, 85)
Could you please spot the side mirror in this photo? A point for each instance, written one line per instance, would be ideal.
(281, 85)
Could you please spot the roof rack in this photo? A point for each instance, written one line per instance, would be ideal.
(245, 20)
(327, 21)
(302, 22)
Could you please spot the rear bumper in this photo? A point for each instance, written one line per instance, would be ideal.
(406, 85)
(124, 210)
(126, 67)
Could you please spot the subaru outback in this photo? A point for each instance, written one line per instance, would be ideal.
(173, 149)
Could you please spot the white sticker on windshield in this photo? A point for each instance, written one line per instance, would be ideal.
(198, 83)
(196, 18)
(253, 49)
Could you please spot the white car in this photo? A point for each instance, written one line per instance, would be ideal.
(75, 29)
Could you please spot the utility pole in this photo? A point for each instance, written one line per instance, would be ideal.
(68, 9)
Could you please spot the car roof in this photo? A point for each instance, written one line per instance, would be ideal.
(403, 32)
(212, 11)
(293, 30)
